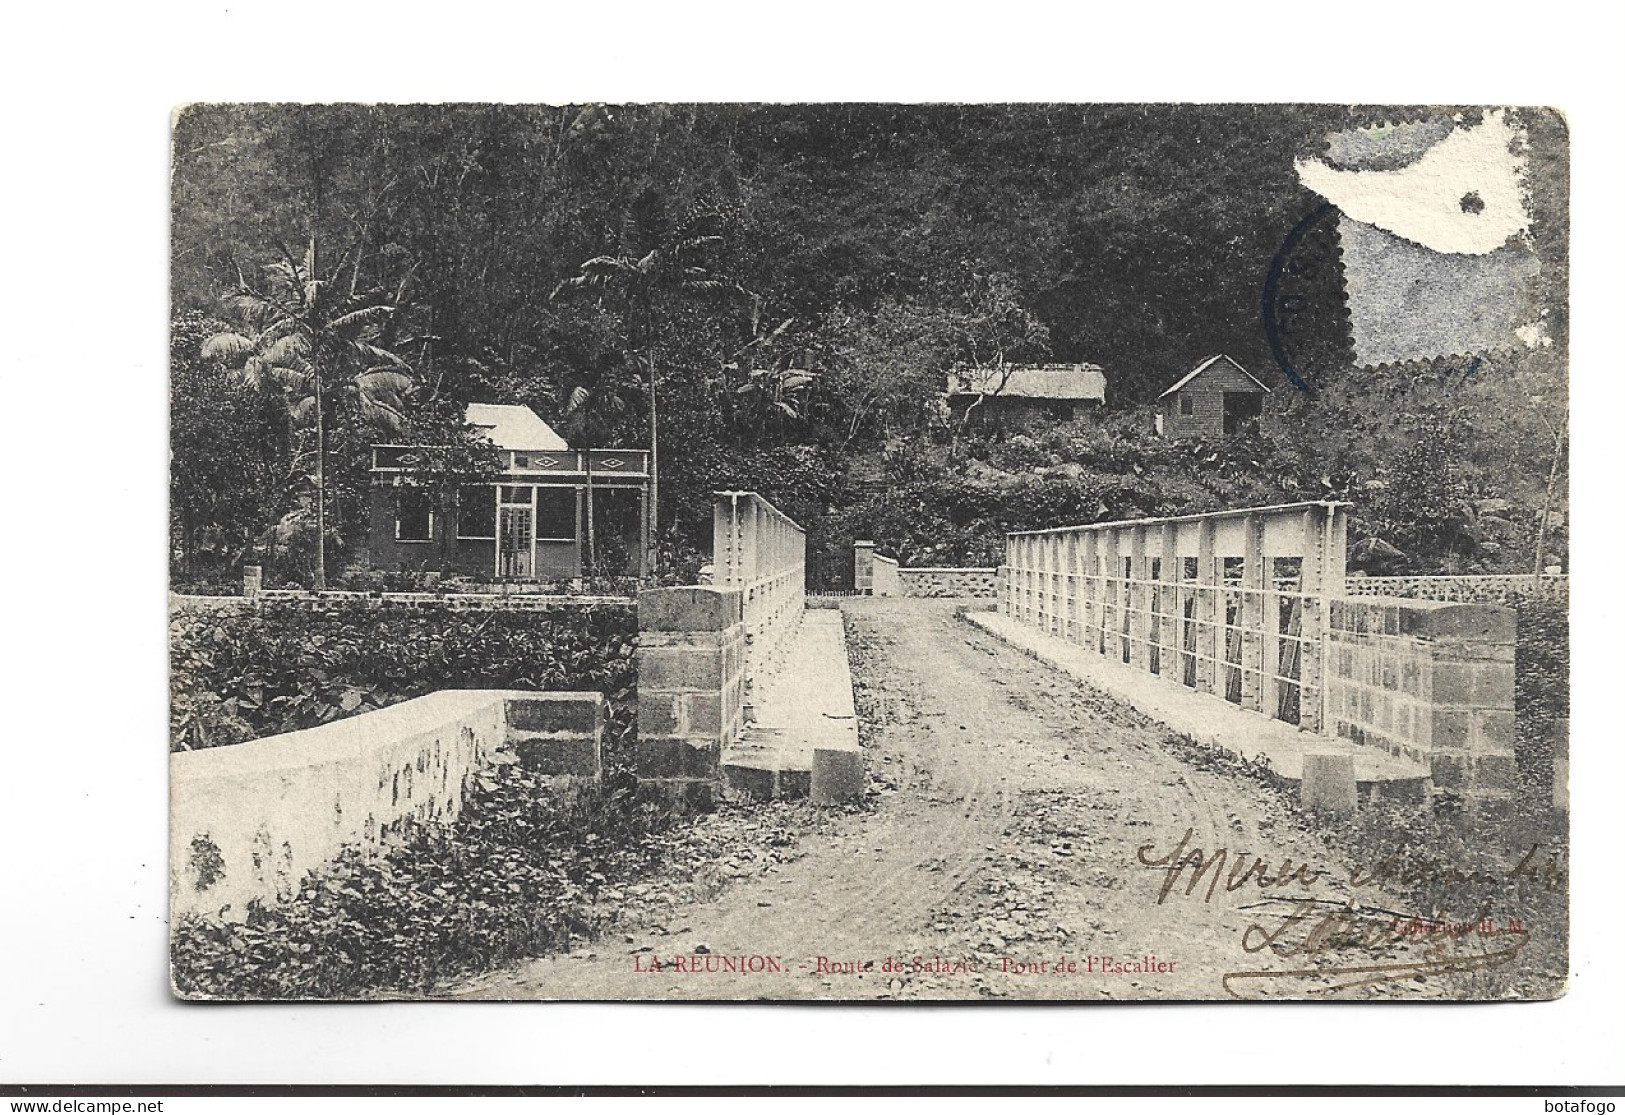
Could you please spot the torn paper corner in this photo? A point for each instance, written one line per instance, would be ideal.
(1463, 195)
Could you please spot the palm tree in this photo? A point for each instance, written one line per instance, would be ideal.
(655, 261)
(315, 343)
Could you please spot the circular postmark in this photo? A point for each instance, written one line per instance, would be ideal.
(1304, 305)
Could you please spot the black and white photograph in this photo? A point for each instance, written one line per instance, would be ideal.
(880, 552)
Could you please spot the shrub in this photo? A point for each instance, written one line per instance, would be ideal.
(235, 676)
(1454, 866)
(1542, 693)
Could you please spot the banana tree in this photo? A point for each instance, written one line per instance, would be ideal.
(316, 344)
(656, 262)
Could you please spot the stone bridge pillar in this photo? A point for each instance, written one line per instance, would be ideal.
(863, 567)
(691, 690)
(1428, 681)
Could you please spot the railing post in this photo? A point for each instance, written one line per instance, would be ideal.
(1317, 531)
(1209, 599)
(1057, 590)
(1029, 582)
(1072, 586)
(1270, 638)
(1139, 601)
(1113, 584)
(1251, 617)
(1091, 587)
(1168, 604)
(1040, 583)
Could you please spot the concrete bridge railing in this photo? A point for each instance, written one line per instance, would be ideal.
(1232, 603)
(704, 649)
(761, 552)
(247, 822)
(1252, 606)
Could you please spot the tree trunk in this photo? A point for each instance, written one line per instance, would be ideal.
(321, 417)
(592, 534)
(1546, 510)
(321, 491)
(652, 560)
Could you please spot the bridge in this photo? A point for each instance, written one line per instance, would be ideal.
(1238, 630)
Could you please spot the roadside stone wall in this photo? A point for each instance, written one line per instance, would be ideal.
(939, 582)
(249, 821)
(691, 690)
(887, 580)
(299, 600)
(1488, 589)
(1431, 681)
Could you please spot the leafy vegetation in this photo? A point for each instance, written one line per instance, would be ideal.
(1542, 686)
(239, 675)
(522, 872)
(1456, 868)
(772, 294)
(317, 348)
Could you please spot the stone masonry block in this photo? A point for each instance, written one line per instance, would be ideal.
(1449, 769)
(837, 776)
(657, 714)
(680, 668)
(1493, 685)
(557, 712)
(1453, 622)
(1450, 728)
(759, 783)
(1328, 782)
(704, 714)
(1453, 683)
(666, 757)
(1494, 730)
(1473, 684)
(696, 608)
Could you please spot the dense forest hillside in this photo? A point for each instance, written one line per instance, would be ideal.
(807, 275)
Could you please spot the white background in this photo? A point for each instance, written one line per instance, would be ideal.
(82, 783)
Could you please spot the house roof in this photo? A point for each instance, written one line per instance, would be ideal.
(1032, 381)
(513, 427)
(1204, 366)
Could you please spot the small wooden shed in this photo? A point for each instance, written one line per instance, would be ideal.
(1211, 401)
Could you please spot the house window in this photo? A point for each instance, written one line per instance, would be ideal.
(556, 514)
(1061, 412)
(414, 516)
(476, 513)
(1187, 403)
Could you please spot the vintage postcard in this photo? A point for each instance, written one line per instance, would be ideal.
(869, 552)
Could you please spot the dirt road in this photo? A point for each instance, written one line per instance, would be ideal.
(1000, 857)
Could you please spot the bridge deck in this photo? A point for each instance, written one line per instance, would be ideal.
(1204, 718)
